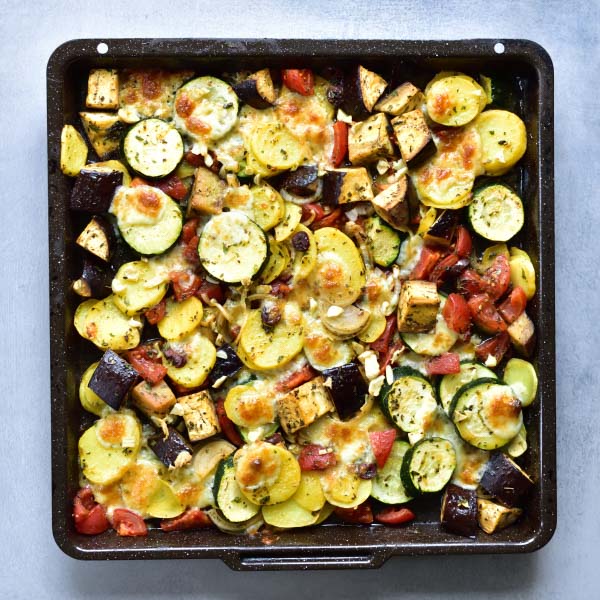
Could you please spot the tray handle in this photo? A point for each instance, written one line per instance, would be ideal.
(328, 559)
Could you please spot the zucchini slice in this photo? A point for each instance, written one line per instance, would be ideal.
(409, 401)
(522, 378)
(232, 247)
(522, 272)
(450, 384)
(181, 318)
(428, 466)
(496, 213)
(138, 286)
(153, 148)
(384, 241)
(149, 220)
(228, 496)
(279, 259)
(454, 99)
(387, 485)
(486, 413)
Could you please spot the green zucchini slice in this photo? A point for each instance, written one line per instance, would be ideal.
(232, 247)
(384, 241)
(496, 213)
(228, 496)
(428, 466)
(387, 485)
(450, 384)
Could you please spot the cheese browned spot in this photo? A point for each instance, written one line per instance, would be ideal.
(112, 429)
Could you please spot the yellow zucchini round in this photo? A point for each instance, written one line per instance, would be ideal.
(265, 349)
(267, 206)
(309, 494)
(89, 400)
(339, 274)
(274, 145)
(138, 286)
(80, 316)
(266, 473)
(322, 350)
(304, 262)
(291, 219)
(279, 258)
(522, 273)
(181, 318)
(454, 100)
(250, 405)
(109, 447)
(201, 356)
(375, 327)
(503, 140)
(489, 256)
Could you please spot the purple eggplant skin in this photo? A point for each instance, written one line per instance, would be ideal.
(459, 511)
(225, 367)
(112, 379)
(247, 91)
(332, 187)
(94, 190)
(348, 389)
(302, 182)
(335, 90)
(97, 277)
(505, 480)
(442, 230)
(169, 448)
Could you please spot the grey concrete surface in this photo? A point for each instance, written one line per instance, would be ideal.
(31, 566)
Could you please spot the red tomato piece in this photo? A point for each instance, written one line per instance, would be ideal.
(280, 289)
(443, 268)
(301, 81)
(445, 364)
(382, 343)
(361, 514)
(190, 252)
(152, 371)
(314, 457)
(514, 305)
(156, 313)
(172, 186)
(192, 518)
(190, 229)
(427, 262)
(312, 212)
(495, 346)
(485, 315)
(129, 524)
(185, 284)
(90, 517)
(387, 357)
(457, 314)
(395, 516)
(297, 378)
(464, 243)
(497, 277)
(227, 426)
(470, 283)
(196, 160)
(137, 181)
(334, 219)
(210, 291)
(340, 143)
(382, 442)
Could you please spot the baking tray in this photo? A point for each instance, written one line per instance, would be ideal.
(530, 71)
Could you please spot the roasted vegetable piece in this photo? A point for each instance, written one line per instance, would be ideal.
(369, 140)
(392, 204)
(382, 443)
(418, 306)
(112, 379)
(362, 89)
(90, 517)
(257, 90)
(342, 186)
(404, 98)
(505, 480)
(395, 516)
(94, 190)
(226, 365)
(414, 138)
(128, 523)
(192, 518)
(96, 238)
(95, 280)
(314, 457)
(348, 389)
(208, 193)
(459, 511)
(103, 89)
(522, 334)
(441, 232)
(199, 415)
(173, 450)
(493, 517)
(304, 181)
(104, 131)
(301, 81)
(73, 151)
(153, 400)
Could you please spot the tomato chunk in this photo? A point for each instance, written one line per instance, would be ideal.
(456, 313)
(90, 517)
(190, 229)
(395, 516)
(301, 81)
(470, 283)
(314, 457)
(156, 313)
(485, 315)
(190, 252)
(464, 243)
(172, 186)
(514, 305)
(193, 518)
(382, 442)
(497, 277)
(340, 143)
(495, 346)
(363, 513)
(312, 212)
(334, 219)
(185, 284)
(151, 370)
(427, 262)
(227, 426)
(443, 268)
(295, 379)
(382, 343)
(444, 365)
(196, 160)
(129, 524)
(210, 291)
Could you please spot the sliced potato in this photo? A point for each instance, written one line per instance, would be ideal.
(291, 219)
(279, 259)
(89, 400)
(81, 314)
(489, 256)
(181, 318)
(201, 356)
(111, 165)
(73, 151)
(109, 447)
(304, 261)
(375, 327)
(250, 405)
(274, 145)
(309, 494)
(454, 99)
(347, 323)
(345, 489)
(267, 206)
(322, 349)
(138, 286)
(288, 514)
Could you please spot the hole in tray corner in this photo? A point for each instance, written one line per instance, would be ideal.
(499, 48)
(102, 48)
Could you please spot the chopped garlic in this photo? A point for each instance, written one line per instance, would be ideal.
(382, 166)
(376, 385)
(385, 306)
(257, 179)
(152, 283)
(415, 436)
(389, 375)
(490, 361)
(219, 382)
(372, 367)
(254, 435)
(342, 116)
(134, 323)
(208, 160)
(328, 382)
(352, 215)
(312, 305)
(334, 311)
(221, 354)
(178, 410)
(232, 180)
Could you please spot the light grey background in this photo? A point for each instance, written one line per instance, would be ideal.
(31, 566)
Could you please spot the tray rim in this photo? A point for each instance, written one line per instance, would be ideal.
(324, 557)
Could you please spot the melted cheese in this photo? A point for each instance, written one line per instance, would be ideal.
(140, 205)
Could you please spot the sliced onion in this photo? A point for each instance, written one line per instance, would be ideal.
(314, 197)
(245, 527)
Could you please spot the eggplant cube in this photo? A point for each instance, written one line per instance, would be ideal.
(459, 511)
(442, 230)
(392, 204)
(95, 281)
(112, 379)
(104, 130)
(404, 98)
(417, 306)
(522, 334)
(304, 405)
(94, 190)
(153, 400)
(369, 140)
(493, 517)
(343, 186)
(103, 89)
(362, 89)
(258, 90)
(414, 138)
(227, 364)
(208, 194)
(348, 389)
(505, 480)
(95, 238)
(199, 415)
(173, 450)
(304, 181)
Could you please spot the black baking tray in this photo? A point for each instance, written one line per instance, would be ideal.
(528, 69)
